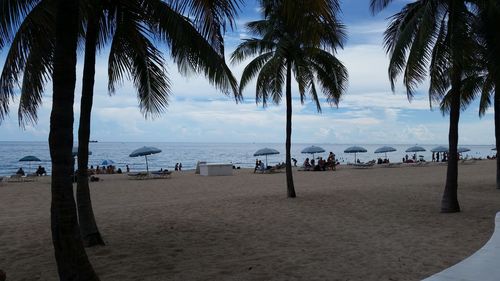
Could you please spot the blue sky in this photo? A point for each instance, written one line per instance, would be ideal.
(368, 113)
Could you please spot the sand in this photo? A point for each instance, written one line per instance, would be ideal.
(351, 224)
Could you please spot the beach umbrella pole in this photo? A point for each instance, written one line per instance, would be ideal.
(266, 161)
(147, 168)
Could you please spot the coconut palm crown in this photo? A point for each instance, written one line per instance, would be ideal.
(299, 37)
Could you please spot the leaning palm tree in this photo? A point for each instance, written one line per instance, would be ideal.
(438, 34)
(127, 26)
(299, 37)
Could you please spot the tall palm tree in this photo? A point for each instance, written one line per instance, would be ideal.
(438, 34)
(299, 37)
(197, 46)
(22, 36)
(488, 21)
(131, 51)
(71, 258)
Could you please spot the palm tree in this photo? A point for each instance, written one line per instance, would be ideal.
(131, 51)
(437, 33)
(299, 37)
(22, 35)
(488, 21)
(71, 258)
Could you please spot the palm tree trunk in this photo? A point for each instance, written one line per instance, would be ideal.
(88, 226)
(289, 175)
(72, 261)
(497, 128)
(449, 203)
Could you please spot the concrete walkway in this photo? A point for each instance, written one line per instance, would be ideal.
(483, 265)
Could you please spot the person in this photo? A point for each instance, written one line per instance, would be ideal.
(128, 169)
(306, 164)
(20, 172)
(262, 167)
(313, 163)
(41, 171)
(322, 164)
(406, 158)
(294, 162)
(176, 167)
(257, 164)
(119, 171)
(180, 166)
(330, 161)
(433, 157)
(97, 169)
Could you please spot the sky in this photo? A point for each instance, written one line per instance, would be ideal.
(368, 113)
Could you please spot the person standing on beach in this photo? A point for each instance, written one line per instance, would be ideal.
(176, 167)
(128, 169)
(180, 166)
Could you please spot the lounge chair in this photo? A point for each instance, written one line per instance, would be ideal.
(363, 165)
(138, 176)
(161, 174)
(392, 165)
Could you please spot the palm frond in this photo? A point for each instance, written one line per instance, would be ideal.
(253, 68)
(33, 39)
(190, 51)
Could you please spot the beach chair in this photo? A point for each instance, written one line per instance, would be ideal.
(161, 174)
(138, 175)
(15, 178)
(363, 165)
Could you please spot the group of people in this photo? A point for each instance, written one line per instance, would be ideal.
(436, 157)
(321, 165)
(40, 171)
(178, 167)
(110, 169)
(260, 166)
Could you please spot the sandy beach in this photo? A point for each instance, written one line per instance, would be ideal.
(351, 224)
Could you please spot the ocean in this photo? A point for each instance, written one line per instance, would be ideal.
(240, 154)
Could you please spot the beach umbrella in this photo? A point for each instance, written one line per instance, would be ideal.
(266, 151)
(74, 152)
(439, 149)
(415, 149)
(463, 149)
(107, 162)
(313, 149)
(385, 149)
(145, 151)
(355, 150)
(29, 159)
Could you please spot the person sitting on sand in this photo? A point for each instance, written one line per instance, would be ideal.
(257, 164)
(20, 172)
(307, 166)
(41, 171)
(294, 162)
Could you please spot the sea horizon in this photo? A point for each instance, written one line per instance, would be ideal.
(189, 153)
